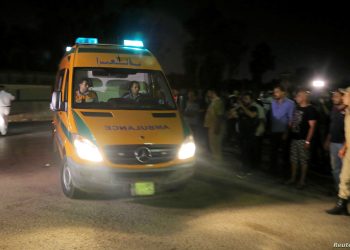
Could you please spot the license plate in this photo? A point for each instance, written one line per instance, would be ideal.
(143, 188)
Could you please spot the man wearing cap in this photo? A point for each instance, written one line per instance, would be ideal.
(344, 153)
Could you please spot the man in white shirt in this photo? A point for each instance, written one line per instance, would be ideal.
(5, 107)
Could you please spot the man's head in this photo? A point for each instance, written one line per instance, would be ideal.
(175, 92)
(192, 96)
(247, 98)
(346, 96)
(279, 92)
(134, 88)
(337, 97)
(212, 92)
(2, 87)
(302, 97)
(84, 85)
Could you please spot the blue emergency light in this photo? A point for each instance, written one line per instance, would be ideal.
(86, 40)
(133, 43)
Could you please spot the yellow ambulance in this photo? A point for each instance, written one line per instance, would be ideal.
(116, 125)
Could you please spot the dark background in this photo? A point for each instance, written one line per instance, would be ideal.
(198, 43)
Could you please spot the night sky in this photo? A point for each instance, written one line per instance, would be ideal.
(313, 35)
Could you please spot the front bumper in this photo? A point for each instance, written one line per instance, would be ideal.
(102, 178)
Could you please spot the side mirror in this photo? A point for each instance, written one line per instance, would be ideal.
(56, 103)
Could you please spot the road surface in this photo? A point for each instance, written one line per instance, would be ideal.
(219, 209)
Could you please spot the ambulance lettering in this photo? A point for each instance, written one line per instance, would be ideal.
(117, 61)
(134, 128)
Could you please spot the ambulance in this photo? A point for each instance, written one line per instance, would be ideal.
(110, 139)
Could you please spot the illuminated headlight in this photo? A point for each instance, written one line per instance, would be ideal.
(86, 149)
(187, 149)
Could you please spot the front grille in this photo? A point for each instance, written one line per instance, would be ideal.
(126, 154)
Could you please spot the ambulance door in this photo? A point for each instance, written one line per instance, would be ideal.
(61, 117)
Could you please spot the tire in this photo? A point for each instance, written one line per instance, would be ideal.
(67, 184)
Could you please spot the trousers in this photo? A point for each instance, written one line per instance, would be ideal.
(344, 185)
(4, 112)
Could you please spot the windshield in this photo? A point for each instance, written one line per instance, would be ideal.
(99, 88)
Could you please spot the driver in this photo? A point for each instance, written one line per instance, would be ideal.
(134, 91)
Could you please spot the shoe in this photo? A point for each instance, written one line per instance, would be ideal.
(340, 208)
(289, 182)
(300, 185)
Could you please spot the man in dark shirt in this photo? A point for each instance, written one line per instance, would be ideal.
(336, 137)
(248, 121)
(302, 131)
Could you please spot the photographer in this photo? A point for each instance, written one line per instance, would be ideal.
(246, 114)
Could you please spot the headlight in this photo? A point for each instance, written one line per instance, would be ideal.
(187, 149)
(86, 149)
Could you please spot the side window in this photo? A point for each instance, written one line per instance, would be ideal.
(161, 88)
(65, 92)
(59, 80)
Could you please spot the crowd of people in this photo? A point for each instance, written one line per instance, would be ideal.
(296, 130)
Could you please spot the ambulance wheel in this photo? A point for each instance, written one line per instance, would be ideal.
(67, 184)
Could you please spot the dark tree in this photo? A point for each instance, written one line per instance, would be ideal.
(215, 47)
(302, 77)
(262, 61)
(35, 34)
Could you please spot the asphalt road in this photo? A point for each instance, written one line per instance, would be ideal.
(219, 209)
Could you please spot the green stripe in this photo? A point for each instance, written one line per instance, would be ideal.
(115, 51)
(83, 129)
(64, 128)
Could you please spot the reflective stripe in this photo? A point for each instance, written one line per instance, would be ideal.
(64, 128)
(83, 129)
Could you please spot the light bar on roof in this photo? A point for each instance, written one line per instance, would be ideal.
(133, 43)
(86, 40)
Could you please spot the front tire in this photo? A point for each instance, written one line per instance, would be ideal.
(68, 187)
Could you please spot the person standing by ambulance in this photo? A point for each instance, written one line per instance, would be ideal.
(214, 121)
(344, 153)
(191, 113)
(248, 121)
(5, 108)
